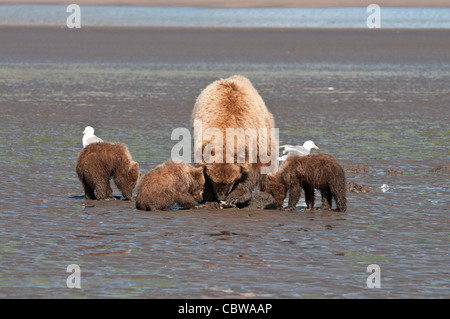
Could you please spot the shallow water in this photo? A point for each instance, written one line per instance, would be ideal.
(383, 115)
(348, 17)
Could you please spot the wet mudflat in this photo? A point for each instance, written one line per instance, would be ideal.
(383, 112)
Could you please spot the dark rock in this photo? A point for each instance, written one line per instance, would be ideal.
(361, 168)
(394, 172)
(442, 169)
(353, 187)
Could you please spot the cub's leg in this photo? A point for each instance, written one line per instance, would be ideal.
(326, 199)
(88, 190)
(295, 192)
(104, 190)
(186, 201)
(309, 196)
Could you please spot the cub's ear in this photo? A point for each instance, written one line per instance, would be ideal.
(201, 167)
(201, 164)
(244, 168)
(197, 172)
(134, 172)
(269, 180)
(134, 166)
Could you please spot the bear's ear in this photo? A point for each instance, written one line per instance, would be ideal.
(201, 164)
(197, 172)
(133, 174)
(200, 167)
(141, 174)
(244, 168)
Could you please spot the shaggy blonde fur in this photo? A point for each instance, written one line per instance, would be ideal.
(232, 103)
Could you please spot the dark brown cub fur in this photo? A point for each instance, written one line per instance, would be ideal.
(315, 171)
(99, 162)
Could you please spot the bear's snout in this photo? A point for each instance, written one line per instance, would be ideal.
(198, 197)
(222, 190)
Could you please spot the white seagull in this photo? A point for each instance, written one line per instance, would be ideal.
(89, 137)
(304, 149)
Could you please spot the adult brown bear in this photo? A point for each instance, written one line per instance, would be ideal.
(233, 139)
(99, 162)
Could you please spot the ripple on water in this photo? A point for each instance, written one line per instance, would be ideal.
(128, 253)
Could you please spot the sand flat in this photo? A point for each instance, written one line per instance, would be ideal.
(388, 110)
(114, 44)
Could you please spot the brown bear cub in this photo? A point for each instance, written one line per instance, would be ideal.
(315, 171)
(99, 162)
(170, 183)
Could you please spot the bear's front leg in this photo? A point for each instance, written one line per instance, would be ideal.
(104, 191)
(88, 191)
(278, 202)
(294, 196)
(186, 201)
(309, 196)
(326, 200)
(209, 197)
(238, 196)
(242, 192)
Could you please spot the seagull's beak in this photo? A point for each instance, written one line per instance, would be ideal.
(316, 147)
(84, 132)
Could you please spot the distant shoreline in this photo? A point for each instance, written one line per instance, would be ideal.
(244, 3)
